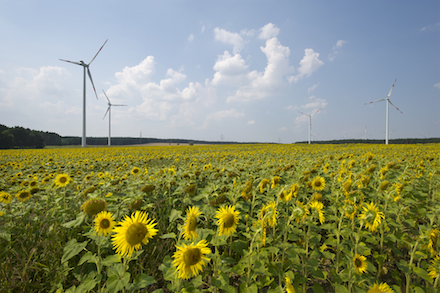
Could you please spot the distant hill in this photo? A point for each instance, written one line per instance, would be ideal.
(19, 137)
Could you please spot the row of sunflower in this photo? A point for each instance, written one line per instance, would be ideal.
(247, 218)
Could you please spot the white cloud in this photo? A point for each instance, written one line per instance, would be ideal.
(221, 115)
(190, 38)
(268, 31)
(339, 44)
(166, 100)
(248, 33)
(251, 122)
(230, 70)
(336, 48)
(312, 88)
(437, 85)
(309, 64)
(313, 106)
(264, 84)
(133, 76)
(233, 39)
(431, 27)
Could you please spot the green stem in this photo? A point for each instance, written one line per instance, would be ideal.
(408, 275)
(306, 257)
(338, 241)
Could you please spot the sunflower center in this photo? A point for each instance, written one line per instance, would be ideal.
(228, 220)
(358, 262)
(192, 256)
(136, 233)
(63, 180)
(105, 223)
(192, 223)
(24, 194)
(317, 183)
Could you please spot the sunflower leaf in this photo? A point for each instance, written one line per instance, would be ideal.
(72, 248)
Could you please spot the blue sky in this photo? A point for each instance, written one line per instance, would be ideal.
(237, 70)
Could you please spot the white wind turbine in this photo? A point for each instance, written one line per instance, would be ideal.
(86, 67)
(109, 111)
(310, 121)
(387, 99)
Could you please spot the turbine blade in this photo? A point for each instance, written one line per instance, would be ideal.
(106, 112)
(77, 63)
(106, 96)
(395, 107)
(97, 52)
(118, 105)
(391, 88)
(90, 76)
(304, 113)
(315, 112)
(375, 101)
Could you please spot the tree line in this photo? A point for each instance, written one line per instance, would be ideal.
(20, 137)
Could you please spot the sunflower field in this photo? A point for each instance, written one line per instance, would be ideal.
(225, 218)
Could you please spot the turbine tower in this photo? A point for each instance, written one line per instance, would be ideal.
(310, 121)
(387, 99)
(86, 68)
(109, 110)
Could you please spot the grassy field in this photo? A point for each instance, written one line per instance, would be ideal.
(224, 218)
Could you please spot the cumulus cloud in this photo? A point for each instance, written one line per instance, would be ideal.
(309, 64)
(268, 31)
(229, 38)
(230, 70)
(251, 122)
(264, 84)
(166, 100)
(437, 85)
(190, 38)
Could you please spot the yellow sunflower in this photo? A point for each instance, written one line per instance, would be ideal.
(434, 268)
(432, 245)
(104, 223)
(294, 190)
(318, 183)
(269, 213)
(289, 286)
(346, 186)
(384, 185)
(227, 220)
(380, 288)
(189, 230)
(131, 232)
(300, 212)
(371, 217)
(285, 195)
(350, 209)
(360, 264)
(23, 195)
(62, 180)
(263, 184)
(135, 171)
(318, 206)
(5, 197)
(93, 206)
(275, 181)
(190, 260)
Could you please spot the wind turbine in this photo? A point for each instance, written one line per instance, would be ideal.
(310, 121)
(109, 110)
(86, 67)
(387, 99)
